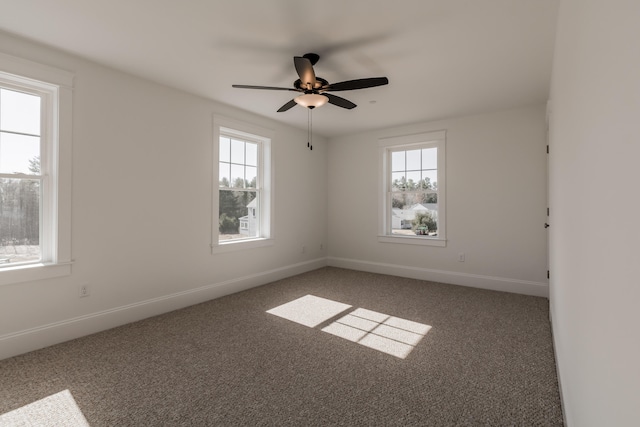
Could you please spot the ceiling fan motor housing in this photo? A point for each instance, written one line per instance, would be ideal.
(320, 83)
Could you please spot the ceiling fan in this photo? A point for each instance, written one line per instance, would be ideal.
(315, 89)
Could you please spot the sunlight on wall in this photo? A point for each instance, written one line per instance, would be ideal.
(379, 331)
(59, 409)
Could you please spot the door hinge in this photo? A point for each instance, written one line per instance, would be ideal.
(547, 274)
(547, 148)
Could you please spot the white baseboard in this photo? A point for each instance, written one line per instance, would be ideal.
(31, 339)
(558, 371)
(503, 284)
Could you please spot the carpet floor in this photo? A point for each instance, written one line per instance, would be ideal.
(328, 347)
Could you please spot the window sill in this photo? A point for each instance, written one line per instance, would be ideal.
(409, 240)
(31, 272)
(240, 245)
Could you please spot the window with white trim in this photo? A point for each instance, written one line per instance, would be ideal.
(35, 142)
(21, 177)
(243, 187)
(412, 208)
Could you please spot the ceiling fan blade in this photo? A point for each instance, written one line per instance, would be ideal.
(287, 106)
(264, 87)
(340, 102)
(357, 84)
(305, 71)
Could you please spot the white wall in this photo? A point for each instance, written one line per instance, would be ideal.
(594, 177)
(141, 208)
(496, 204)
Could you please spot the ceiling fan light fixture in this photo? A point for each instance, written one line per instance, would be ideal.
(311, 100)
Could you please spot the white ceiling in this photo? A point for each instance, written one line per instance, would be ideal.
(443, 58)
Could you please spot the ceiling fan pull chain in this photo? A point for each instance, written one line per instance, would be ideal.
(310, 129)
(308, 142)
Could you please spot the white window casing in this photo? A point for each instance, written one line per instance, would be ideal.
(386, 146)
(55, 89)
(223, 126)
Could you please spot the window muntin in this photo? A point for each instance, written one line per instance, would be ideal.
(412, 183)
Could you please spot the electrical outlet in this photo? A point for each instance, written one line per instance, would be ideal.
(461, 257)
(84, 291)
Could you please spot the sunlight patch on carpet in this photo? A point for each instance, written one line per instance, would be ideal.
(59, 409)
(309, 310)
(379, 331)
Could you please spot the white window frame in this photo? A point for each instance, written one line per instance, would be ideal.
(56, 89)
(385, 147)
(252, 133)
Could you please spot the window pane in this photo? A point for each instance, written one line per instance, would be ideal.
(410, 200)
(398, 182)
(224, 170)
(413, 159)
(19, 220)
(19, 154)
(425, 222)
(411, 216)
(251, 176)
(225, 149)
(238, 215)
(430, 158)
(405, 200)
(413, 180)
(399, 200)
(19, 112)
(237, 176)
(397, 161)
(237, 151)
(430, 179)
(428, 198)
(252, 154)
(401, 213)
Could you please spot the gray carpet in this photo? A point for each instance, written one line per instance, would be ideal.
(487, 360)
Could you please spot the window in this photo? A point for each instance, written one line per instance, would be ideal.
(35, 187)
(412, 197)
(21, 180)
(243, 187)
(239, 192)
